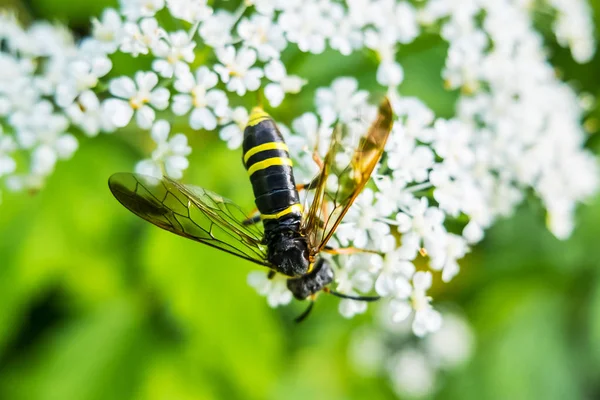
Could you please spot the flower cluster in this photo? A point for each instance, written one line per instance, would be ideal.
(413, 367)
(441, 182)
(47, 86)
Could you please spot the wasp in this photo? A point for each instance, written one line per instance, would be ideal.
(292, 236)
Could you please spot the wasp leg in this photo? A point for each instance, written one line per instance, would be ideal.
(254, 218)
(306, 312)
(308, 186)
(349, 250)
(347, 296)
(271, 274)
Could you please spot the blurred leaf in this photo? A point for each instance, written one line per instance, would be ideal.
(96, 357)
(523, 350)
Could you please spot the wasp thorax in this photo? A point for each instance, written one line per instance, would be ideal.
(311, 283)
(290, 256)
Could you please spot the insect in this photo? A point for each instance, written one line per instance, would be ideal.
(293, 235)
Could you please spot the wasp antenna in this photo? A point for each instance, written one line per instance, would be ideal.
(358, 298)
(305, 314)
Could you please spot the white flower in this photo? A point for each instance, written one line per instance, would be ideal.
(108, 30)
(367, 350)
(44, 133)
(139, 39)
(352, 279)
(265, 7)
(392, 194)
(216, 30)
(416, 117)
(347, 35)
(235, 121)
(423, 223)
(409, 161)
(342, 101)
(574, 27)
(349, 308)
(88, 114)
(426, 319)
(395, 270)
(189, 10)
(282, 82)
(83, 75)
(473, 232)
(260, 33)
(452, 345)
(7, 147)
(452, 143)
(235, 69)
(454, 248)
(175, 51)
(170, 154)
(361, 225)
(411, 374)
(136, 97)
(310, 135)
(275, 289)
(390, 73)
(207, 103)
(308, 24)
(135, 9)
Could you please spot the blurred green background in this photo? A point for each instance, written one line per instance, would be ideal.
(97, 304)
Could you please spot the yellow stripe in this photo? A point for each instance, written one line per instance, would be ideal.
(257, 116)
(269, 162)
(293, 208)
(264, 147)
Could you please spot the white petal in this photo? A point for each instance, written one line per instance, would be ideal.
(384, 285)
(146, 80)
(148, 167)
(159, 98)
(275, 71)
(246, 57)
(450, 270)
(390, 74)
(252, 79)
(185, 82)
(119, 111)
(473, 232)
(145, 117)
(164, 68)
(422, 280)
(235, 84)
(179, 144)
(349, 308)
(122, 87)
(65, 146)
(400, 310)
(43, 160)
(206, 77)
(101, 66)
(274, 93)
(259, 281)
(202, 118)
(174, 166)
(226, 55)
(182, 103)
(160, 131)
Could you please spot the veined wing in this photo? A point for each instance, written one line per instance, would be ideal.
(329, 206)
(191, 212)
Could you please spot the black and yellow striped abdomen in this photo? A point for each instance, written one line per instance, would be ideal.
(269, 166)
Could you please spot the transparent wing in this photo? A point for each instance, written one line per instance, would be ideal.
(191, 212)
(331, 204)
